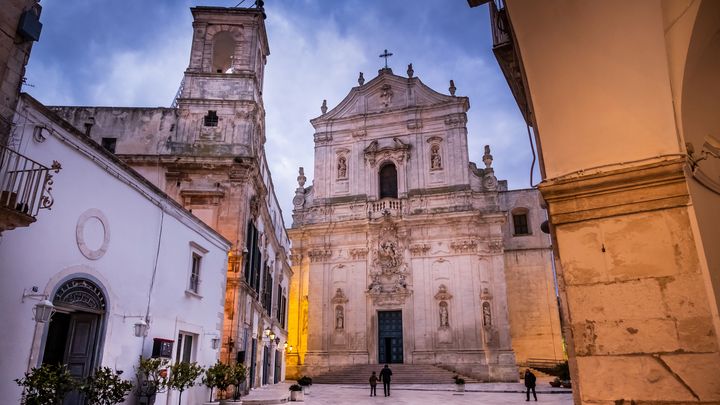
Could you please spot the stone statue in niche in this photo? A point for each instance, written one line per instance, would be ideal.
(339, 317)
(435, 159)
(444, 315)
(487, 317)
(342, 168)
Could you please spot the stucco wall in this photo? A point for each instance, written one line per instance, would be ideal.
(141, 272)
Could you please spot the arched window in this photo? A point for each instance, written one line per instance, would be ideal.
(223, 52)
(388, 181)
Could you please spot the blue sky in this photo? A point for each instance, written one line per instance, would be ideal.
(134, 52)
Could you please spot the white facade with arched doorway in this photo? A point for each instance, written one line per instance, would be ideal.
(112, 251)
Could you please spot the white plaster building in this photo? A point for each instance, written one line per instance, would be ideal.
(112, 251)
(400, 244)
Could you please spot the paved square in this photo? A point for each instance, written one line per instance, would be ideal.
(435, 394)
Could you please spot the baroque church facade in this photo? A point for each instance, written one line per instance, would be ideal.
(207, 153)
(404, 251)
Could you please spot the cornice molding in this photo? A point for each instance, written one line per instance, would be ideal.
(624, 191)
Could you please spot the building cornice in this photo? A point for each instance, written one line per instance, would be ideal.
(628, 190)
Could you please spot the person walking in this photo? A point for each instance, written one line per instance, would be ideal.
(385, 374)
(530, 384)
(373, 385)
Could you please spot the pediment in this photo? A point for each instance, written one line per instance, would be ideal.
(385, 93)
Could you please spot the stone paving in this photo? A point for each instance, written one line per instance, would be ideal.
(404, 394)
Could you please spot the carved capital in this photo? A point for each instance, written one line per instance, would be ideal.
(628, 190)
(359, 253)
(319, 255)
(464, 246)
(419, 249)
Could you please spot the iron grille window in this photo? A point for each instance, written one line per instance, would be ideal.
(520, 224)
(195, 273)
(211, 119)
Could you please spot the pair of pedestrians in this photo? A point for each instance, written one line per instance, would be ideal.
(385, 374)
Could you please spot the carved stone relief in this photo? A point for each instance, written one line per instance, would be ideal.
(388, 273)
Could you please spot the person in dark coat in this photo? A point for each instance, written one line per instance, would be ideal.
(385, 374)
(530, 384)
(373, 385)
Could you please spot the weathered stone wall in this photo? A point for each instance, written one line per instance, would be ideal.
(14, 54)
(532, 297)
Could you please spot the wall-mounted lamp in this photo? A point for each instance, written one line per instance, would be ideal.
(43, 310)
(267, 331)
(272, 336)
(285, 346)
(140, 329)
(290, 348)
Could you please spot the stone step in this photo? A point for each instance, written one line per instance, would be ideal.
(402, 374)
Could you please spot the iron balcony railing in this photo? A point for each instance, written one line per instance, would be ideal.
(25, 185)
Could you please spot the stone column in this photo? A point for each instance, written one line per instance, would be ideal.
(638, 306)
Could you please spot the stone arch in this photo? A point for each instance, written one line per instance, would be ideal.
(223, 45)
(80, 321)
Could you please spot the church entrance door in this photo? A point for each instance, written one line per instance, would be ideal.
(390, 337)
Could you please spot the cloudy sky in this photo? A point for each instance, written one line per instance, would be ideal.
(134, 52)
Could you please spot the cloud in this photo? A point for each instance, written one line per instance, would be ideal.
(134, 53)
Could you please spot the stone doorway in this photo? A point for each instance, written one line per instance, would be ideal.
(76, 330)
(390, 337)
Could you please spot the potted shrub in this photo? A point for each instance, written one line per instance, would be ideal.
(296, 393)
(236, 377)
(47, 384)
(556, 382)
(216, 376)
(183, 375)
(105, 387)
(151, 374)
(305, 382)
(459, 383)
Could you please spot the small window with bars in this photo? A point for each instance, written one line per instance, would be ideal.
(211, 119)
(520, 223)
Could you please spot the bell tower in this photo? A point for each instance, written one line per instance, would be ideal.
(220, 103)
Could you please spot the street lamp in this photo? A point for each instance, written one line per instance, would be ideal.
(141, 328)
(43, 311)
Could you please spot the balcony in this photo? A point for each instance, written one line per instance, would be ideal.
(25, 187)
(385, 207)
(505, 50)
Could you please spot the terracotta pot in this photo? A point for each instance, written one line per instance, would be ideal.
(460, 387)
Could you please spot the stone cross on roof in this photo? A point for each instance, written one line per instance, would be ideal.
(386, 55)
